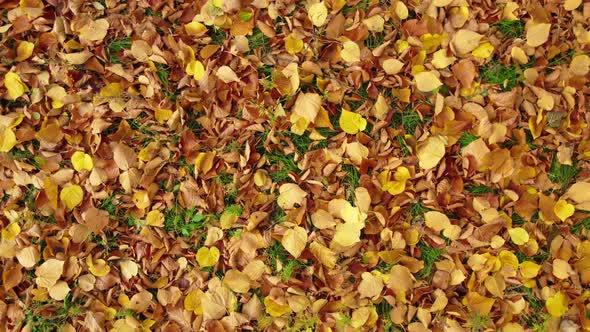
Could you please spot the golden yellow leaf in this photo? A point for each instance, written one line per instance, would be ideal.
(392, 66)
(129, 268)
(275, 309)
(519, 55)
(237, 281)
(400, 9)
(49, 272)
(350, 51)
(14, 85)
(94, 31)
(318, 13)
(323, 254)
(431, 151)
(141, 199)
(352, 122)
(563, 209)
(427, 81)
(436, 220)
(227, 75)
(347, 234)
(195, 28)
(374, 23)
(537, 34)
(82, 161)
(529, 269)
(370, 285)
(571, 4)
(440, 59)
(196, 69)
(207, 256)
(478, 303)
(512, 327)
(294, 240)
(464, 41)
(483, 51)
(557, 305)
(71, 196)
(24, 50)
(293, 45)
(580, 65)
(307, 106)
(11, 231)
(561, 269)
(289, 195)
(7, 139)
(162, 115)
(518, 235)
(155, 218)
(98, 268)
(59, 291)
(192, 301)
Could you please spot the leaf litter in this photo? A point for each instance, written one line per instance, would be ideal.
(301, 166)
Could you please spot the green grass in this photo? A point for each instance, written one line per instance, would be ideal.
(429, 256)
(408, 119)
(163, 73)
(235, 210)
(577, 228)
(277, 253)
(117, 45)
(480, 189)
(466, 139)
(285, 165)
(217, 35)
(507, 76)
(404, 148)
(150, 12)
(517, 219)
(563, 174)
(183, 222)
(374, 40)
(363, 94)
(301, 142)
(125, 313)
(417, 210)
(257, 40)
(510, 29)
(478, 323)
(362, 5)
(351, 180)
(36, 318)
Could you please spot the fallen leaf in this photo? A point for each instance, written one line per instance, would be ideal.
(294, 240)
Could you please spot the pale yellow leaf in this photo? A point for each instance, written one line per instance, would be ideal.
(350, 51)
(24, 50)
(49, 272)
(289, 195)
(427, 81)
(294, 240)
(318, 13)
(537, 34)
(71, 196)
(431, 151)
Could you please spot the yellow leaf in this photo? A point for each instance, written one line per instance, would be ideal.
(427, 81)
(155, 218)
(217, 3)
(162, 115)
(82, 161)
(512, 327)
(563, 209)
(529, 269)
(129, 268)
(436, 220)
(7, 139)
(374, 23)
(11, 231)
(557, 304)
(571, 4)
(59, 291)
(192, 301)
(94, 31)
(57, 94)
(71, 196)
(400, 9)
(483, 51)
(347, 234)
(431, 151)
(580, 65)
(14, 85)
(561, 269)
(518, 235)
(352, 122)
(537, 34)
(464, 41)
(289, 195)
(196, 69)
(141, 199)
(318, 13)
(111, 90)
(293, 45)
(370, 285)
(440, 59)
(98, 268)
(195, 28)
(49, 273)
(478, 303)
(519, 55)
(323, 254)
(401, 45)
(392, 66)
(275, 309)
(308, 106)
(237, 281)
(24, 50)
(207, 256)
(294, 240)
(350, 51)
(226, 74)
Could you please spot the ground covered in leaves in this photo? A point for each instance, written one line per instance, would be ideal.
(228, 165)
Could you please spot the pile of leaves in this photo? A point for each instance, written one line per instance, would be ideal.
(264, 165)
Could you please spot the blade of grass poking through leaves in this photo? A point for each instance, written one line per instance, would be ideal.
(562, 174)
(429, 256)
(118, 45)
(466, 139)
(510, 29)
(352, 181)
(506, 76)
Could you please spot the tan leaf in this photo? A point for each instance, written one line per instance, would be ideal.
(294, 240)
(49, 272)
